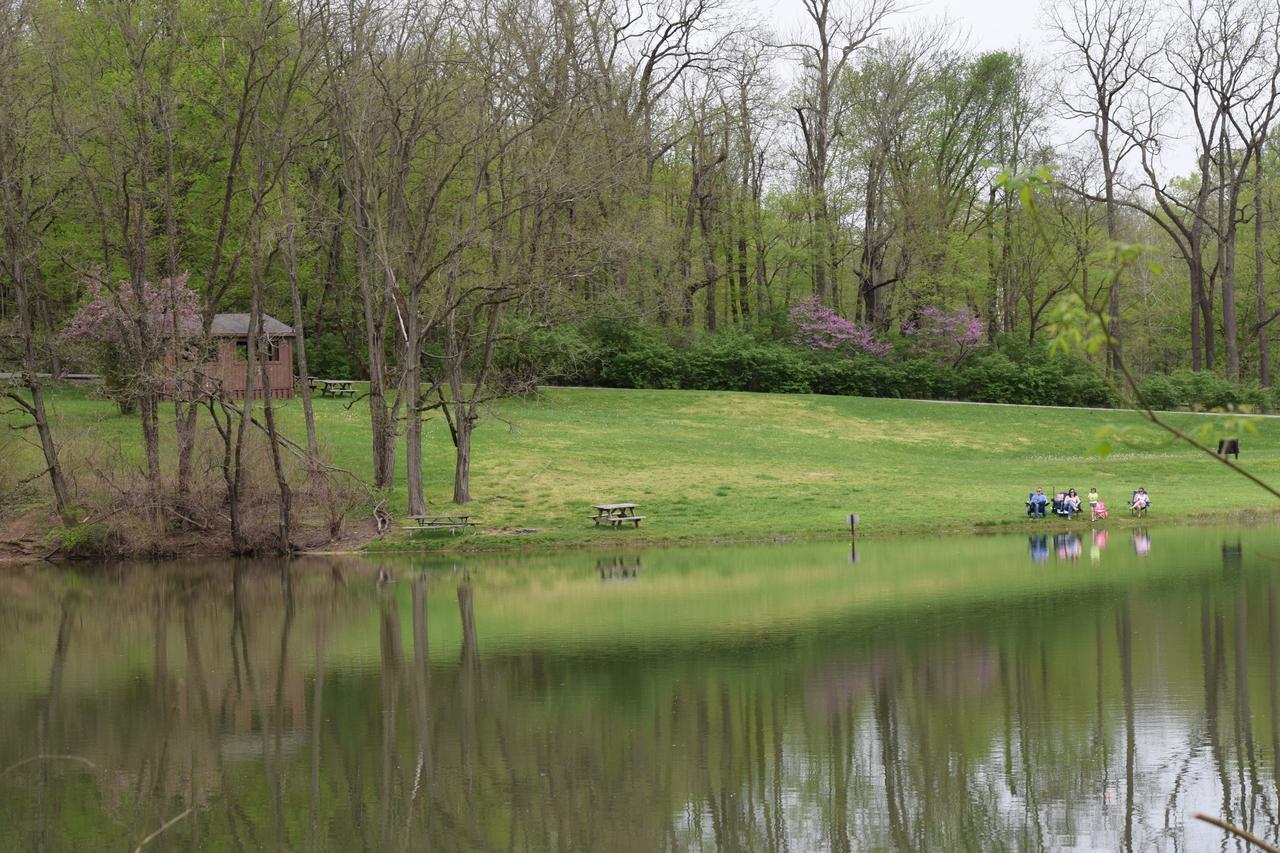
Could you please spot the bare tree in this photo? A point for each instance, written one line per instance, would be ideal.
(1245, 86)
(1107, 52)
(1259, 278)
(837, 32)
(888, 96)
(1219, 74)
(746, 69)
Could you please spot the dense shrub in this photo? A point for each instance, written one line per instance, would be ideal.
(563, 355)
(740, 363)
(328, 356)
(1040, 379)
(615, 354)
(647, 363)
(1196, 390)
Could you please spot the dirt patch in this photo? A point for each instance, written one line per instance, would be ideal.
(22, 538)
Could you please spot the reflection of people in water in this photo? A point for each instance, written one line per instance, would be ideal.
(1068, 546)
(1039, 548)
(1141, 542)
(1099, 544)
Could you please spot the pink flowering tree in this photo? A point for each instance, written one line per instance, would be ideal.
(820, 328)
(127, 338)
(949, 334)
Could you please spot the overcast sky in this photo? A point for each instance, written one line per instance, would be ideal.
(991, 23)
(988, 24)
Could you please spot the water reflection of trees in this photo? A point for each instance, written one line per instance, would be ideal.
(1093, 721)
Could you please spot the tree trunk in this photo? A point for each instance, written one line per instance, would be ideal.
(463, 419)
(183, 381)
(1197, 289)
(1259, 283)
(685, 250)
(149, 415)
(277, 462)
(820, 250)
(1227, 230)
(462, 461)
(413, 421)
(36, 408)
(299, 326)
(760, 247)
(1109, 190)
(1201, 300)
(744, 280)
(710, 274)
(382, 426)
(238, 542)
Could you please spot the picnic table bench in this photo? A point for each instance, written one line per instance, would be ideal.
(332, 387)
(616, 515)
(453, 523)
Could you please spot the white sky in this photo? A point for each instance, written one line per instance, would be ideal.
(991, 24)
(988, 24)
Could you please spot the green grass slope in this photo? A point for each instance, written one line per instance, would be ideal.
(710, 466)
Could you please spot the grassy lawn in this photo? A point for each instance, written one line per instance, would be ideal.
(710, 466)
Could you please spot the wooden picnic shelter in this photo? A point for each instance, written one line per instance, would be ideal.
(229, 364)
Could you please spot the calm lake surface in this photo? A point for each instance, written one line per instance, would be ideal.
(1080, 692)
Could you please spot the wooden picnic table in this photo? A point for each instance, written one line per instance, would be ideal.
(453, 523)
(616, 515)
(332, 387)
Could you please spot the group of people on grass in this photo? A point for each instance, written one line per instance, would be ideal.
(1068, 504)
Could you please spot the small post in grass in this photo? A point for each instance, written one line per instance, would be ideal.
(853, 525)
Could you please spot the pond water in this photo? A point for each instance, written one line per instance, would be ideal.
(1074, 692)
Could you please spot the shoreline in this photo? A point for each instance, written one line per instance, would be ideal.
(707, 468)
(512, 546)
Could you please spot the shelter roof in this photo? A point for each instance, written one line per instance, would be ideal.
(237, 325)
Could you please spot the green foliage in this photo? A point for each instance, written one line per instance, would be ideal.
(1199, 390)
(1040, 379)
(329, 357)
(559, 354)
(734, 361)
(1075, 328)
(81, 540)
(646, 363)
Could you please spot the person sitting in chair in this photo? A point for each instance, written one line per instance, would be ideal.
(1141, 501)
(1036, 503)
(1073, 501)
(1060, 506)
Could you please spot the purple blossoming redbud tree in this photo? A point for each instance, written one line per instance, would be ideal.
(949, 334)
(128, 339)
(820, 328)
